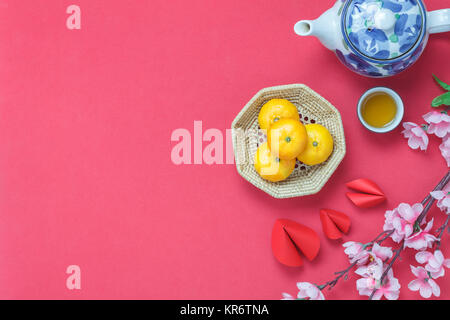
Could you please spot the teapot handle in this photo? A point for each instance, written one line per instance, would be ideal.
(439, 21)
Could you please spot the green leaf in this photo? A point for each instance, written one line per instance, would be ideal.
(443, 99)
(442, 84)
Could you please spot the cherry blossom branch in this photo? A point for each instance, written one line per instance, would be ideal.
(388, 234)
(427, 204)
(419, 219)
(389, 267)
(425, 211)
(344, 273)
(429, 201)
(380, 238)
(440, 186)
(440, 232)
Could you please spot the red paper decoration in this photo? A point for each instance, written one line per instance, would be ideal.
(366, 186)
(289, 238)
(334, 223)
(369, 194)
(365, 200)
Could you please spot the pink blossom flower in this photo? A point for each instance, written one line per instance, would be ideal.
(435, 263)
(424, 284)
(445, 149)
(417, 137)
(373, 270)
(402, 220)
(287, 296)
(422, 239)
(371, 275)
(356, 252)
(389, 289)
(365, 285)
(439, 123)
(309, 291)
(383, 253)
(389, 218)
(443, 198)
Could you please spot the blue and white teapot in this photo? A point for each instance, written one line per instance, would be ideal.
(376, 38)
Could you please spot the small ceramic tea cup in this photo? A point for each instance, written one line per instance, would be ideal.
(399, 109)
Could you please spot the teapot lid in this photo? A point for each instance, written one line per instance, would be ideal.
(383, 29)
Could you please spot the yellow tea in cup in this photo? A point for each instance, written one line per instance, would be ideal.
(379, 109)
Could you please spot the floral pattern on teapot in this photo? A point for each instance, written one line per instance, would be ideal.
(383, 29)
(380, 52)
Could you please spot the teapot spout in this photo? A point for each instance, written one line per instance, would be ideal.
(326, 28)
(304, 28)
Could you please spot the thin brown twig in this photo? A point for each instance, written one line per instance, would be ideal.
(386, 236)
(440, 232)
(343, 273)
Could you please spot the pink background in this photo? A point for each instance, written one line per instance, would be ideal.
(85, 171)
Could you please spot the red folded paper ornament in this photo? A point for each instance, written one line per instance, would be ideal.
(289, 238)
(365, 200)
(366, 186)
(334, 223)
(369, 194)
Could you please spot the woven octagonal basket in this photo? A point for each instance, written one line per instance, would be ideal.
(247, 136)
